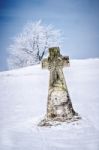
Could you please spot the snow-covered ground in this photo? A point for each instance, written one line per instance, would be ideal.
(23, 99)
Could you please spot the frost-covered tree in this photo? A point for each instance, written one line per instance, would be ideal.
(30, 46)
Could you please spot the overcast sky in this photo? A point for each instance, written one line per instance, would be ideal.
(78, 19)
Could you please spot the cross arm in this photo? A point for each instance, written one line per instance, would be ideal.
(66, 62)
(45, 63)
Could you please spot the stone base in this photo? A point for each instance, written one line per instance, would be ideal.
(59, 106)
(58, 120)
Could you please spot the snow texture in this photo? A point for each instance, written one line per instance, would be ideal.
(23, 100)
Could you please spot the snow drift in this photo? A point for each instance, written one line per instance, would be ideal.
(23, 100)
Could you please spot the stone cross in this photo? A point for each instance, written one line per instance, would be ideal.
(59, 106)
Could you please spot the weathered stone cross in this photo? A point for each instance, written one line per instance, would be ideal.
(59, 106)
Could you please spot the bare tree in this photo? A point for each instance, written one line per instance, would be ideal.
(30, 46)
